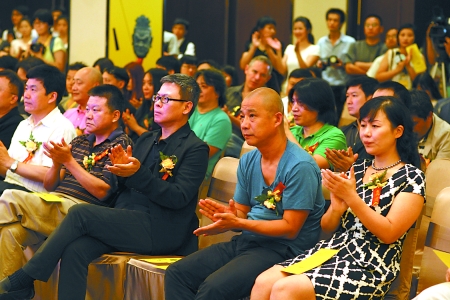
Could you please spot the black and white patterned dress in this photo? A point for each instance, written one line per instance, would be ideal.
(364, 267)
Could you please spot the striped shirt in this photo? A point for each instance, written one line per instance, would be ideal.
(83, 146)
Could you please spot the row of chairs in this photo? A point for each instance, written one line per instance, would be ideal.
(127, 276)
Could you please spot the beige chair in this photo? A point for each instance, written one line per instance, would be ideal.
(246, 148)
(432, 269)
(144, 280)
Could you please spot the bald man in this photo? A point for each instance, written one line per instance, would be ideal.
(84, 80)
(272, 230)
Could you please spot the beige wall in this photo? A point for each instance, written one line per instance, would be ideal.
(315, 11)
(88, 34)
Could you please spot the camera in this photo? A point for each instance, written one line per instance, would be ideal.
(37, 47)
(439, 30)
(332, 60)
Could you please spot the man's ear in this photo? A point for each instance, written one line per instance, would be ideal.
(188, 107)
(116, 115)
(52, 97)
(121, 84)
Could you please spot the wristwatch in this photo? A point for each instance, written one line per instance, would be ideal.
(14, 166)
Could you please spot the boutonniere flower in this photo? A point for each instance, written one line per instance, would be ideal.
(32, 146)
(89, 161)
(376, 183)
(167, 164)
(311, 149)
(270, 198)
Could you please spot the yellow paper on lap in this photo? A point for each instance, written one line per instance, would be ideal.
(162, 260)
(311, 262)
(417, 59)
(49, 197)
(444, 256)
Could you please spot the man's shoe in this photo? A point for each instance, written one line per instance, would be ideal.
(23, 294)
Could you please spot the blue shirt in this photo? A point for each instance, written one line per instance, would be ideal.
(335, 76)
(300, 174)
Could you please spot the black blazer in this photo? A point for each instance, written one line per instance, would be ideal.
(170, 203)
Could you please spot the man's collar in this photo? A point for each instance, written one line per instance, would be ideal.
(48, 120)
(111, 137)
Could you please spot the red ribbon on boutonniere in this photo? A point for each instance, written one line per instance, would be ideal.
(311, 149)
(167, 164)
(376, 183)
(32, 146)
(89, 161)
(270, 198)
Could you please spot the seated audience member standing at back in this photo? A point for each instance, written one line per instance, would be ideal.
(391, 43)
(433, 132)
(362, 53)
(333, 48)
(271, 229)
(180, 28)
(368, 231)
(48, 48)
(257, 73)
(84, 80)
(359, 90)
(11, 91)
(314, 112)
(24, 164)
(209, 122)
(154, 214)
(26, 219)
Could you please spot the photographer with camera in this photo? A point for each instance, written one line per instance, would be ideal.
(47, 47)
(333, 48)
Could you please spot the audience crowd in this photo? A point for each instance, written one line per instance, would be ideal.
(133, 147)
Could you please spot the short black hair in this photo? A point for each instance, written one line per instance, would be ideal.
(119, 74)
(189, 60)
(16, 85)
(8, 62)
(51, 78)
(169, 63)
(43, 15)
(317, 95)
(22, 9)
(367, 84)
(189, 89)
(215, 79)
(374, 16)
(76, 66)
(103, 63)
(407, 26)
(421, 105)
(181, 21)
(214, 64)
(336, 11)
(28, 63)
(425, 82)
(114, 97)
(302, 73)
(399, 91)
(263, 21)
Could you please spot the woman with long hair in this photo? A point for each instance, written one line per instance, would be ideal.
(397, 63)
(372, 208)
(20, 47)
(143, 120)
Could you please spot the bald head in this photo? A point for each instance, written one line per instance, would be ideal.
(84, 80)
(270, 99)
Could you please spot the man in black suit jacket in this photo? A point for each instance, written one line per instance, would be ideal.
(154, 214)
(11, 91)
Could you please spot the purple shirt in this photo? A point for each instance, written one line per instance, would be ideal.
(77, 117)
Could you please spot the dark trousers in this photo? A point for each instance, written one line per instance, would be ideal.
(10, 186)
(225, 270)
(87, 232)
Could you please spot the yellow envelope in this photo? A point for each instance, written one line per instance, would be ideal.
(311, 262)
(163, 267)
(162, 260)
(417, 59)
(444, 256)
(49, 197)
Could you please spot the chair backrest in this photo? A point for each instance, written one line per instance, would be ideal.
(437, 177)
(221, 189)
(246, 148)
(432, 269)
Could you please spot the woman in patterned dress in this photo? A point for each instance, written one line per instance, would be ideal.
(368, 235)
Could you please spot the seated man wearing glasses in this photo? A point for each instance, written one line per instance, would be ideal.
(155, 212)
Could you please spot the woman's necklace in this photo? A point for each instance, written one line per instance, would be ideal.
(385, 168)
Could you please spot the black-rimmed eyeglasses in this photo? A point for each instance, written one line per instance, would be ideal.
(165, 99)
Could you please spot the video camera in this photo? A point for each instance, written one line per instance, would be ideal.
(439, 30)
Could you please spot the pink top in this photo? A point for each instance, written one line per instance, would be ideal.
(77, 116)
